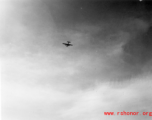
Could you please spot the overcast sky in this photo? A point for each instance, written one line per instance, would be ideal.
(108, 68)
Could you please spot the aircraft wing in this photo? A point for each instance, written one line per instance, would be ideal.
(65, 44)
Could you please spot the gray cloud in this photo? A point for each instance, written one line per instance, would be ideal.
(107, 69)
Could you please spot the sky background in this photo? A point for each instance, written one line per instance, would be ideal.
(108, 68)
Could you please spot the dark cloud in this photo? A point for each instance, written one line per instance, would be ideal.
(107, 69)
(111, 40)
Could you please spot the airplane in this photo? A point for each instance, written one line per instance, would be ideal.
(67, 44)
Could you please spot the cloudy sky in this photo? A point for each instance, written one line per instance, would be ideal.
(108, 68)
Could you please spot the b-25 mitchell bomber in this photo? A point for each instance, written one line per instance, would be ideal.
(67, 44)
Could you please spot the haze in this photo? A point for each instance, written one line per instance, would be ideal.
(108, 68)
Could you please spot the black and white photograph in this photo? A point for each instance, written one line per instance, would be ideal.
(76, 59)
